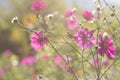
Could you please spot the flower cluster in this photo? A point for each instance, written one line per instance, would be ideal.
(91, 42)
(71, 19)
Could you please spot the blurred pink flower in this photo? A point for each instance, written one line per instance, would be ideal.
(65, 68)
(71, 19)
(74, 69)
(84, 38)
(96, 63)
(8, 53)
(1, 73)
(34, 76)
(9, 68)
(88, 15)
(62, 63)
(106, 63)
(39, 6)
(38, 41)
(69, 13)
(72, 23)
(107, 47)
(28, 61)
(58, 60)
(46, 57)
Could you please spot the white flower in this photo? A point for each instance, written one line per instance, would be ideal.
(14, 20)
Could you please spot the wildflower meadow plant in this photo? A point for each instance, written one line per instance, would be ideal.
(39, 6)
(71, 19)
(87, 55)
(39, 40)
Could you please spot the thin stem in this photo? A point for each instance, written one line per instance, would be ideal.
(83, 67)
(24, 28)
(112, 11)
(108, 68)
(63, 59)
(56, 50)
(93, 60)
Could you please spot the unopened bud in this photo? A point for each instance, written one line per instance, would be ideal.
(112, 14)
(98, 8)
(105, 36)
(70, 35)
(14, 20)
(113, 6)
(50, 16)
(104, 20)
(39, 77)
(97, 47)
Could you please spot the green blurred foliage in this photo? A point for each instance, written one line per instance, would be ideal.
(12, 37)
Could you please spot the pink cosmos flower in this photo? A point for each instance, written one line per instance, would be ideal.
(88, 15)
(28, 61)
(7, 53)
(70, 12)
(71, 19)
(39, 6)
(58, 60)
(62, 63)
(46, 57)
(72, 23)
(107, 47)
(38, 41)
(84, 38)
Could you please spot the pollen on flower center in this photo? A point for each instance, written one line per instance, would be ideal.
(37, 8)
(84, 37)
(105, 46)
(42, 39)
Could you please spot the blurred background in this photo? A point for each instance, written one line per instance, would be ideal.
(17, 41)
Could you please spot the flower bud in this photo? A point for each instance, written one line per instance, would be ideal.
(97, 47)
(105, 36)
(113, 6)
(40, 77)
(112, 14)
(70, 35)
(50, 16)
(14, 20)
(98, 8)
